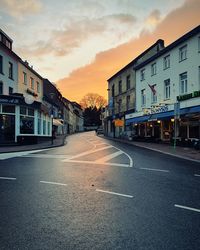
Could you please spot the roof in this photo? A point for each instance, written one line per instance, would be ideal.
(160, 41)
(182, 39)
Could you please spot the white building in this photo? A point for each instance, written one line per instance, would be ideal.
(171, 76)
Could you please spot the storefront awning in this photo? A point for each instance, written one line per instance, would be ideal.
(57, 122)
(137, 119)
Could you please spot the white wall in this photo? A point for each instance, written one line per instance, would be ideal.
(7, 82)
(190, 65)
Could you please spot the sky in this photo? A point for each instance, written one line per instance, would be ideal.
(79, 44)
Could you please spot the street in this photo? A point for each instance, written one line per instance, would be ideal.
(95, 193)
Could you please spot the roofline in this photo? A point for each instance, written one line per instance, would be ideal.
(1, 31)
(31, 69)
(138, 57)
(183, 38)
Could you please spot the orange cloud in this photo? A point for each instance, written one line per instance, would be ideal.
(93, 77)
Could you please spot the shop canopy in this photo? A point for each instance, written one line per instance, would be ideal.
(57, 122)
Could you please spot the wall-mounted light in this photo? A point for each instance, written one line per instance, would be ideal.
(158, 121)
(172, 119)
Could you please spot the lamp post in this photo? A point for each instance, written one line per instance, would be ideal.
(52, 98)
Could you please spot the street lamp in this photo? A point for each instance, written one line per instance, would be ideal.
(52, 95)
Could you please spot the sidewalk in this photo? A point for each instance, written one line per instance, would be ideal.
(59, 141)
(180, 152)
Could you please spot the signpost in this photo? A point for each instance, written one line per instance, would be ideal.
(176, 117)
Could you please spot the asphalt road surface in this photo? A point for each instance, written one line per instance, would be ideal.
(94, 193)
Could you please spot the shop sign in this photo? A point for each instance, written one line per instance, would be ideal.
(119, 123)
(188, 96)
(159, 109)
(5, 100)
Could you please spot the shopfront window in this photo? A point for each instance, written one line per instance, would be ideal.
(39, 123)
(26, 120)
(7, 128)
(44, 127)
(8, 109)
(194, 130)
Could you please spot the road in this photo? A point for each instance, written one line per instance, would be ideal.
(94, 193)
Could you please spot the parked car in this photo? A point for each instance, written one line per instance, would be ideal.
(99, 131)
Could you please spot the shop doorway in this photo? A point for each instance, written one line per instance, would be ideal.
(7, 128)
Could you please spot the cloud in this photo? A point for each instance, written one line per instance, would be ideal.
(75, 32)
(93, 77)
(19, 8)
(154, 18)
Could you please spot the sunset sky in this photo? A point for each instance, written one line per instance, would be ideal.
(79, 44)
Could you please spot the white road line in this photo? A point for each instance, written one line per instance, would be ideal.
(188, 208)
(130, 159)
(108, 192)
(47, 156)
(8, 178)
(99, 163)
(88, 152)
(109, 157)
(53, 183)
(154, 169)
(197, 175)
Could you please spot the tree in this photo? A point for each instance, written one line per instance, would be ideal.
(92, 100)
(92, 104)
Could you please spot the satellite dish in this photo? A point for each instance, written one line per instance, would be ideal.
(28, 99)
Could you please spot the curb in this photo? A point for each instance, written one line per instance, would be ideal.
(153, 149)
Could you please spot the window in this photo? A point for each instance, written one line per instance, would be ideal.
(26, 120)
(10, 91)
(153, 93)
(120, 87)
(143, 97)
(128, 82)
(24, 78)
(1, 64)
(119, 105)
(8, 44)
(183, 83)
(38, 87)
(39, 123)
(166, 62)
(199, 43)
(10, 70)
(128, 102)
(113, 90)
(44, 127)
(142, 75)
(153, 69)
(183, 53)
(8, 109)
(167, 89)
(1, 88)
(32, 82)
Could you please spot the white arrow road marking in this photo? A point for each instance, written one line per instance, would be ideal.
(8, 178)
(88, 152)
(99, 163)
(109, 157)
(197, 175)
(154, 169)
(53, 183)
(108, 192)
(188, 208)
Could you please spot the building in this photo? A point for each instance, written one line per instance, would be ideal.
(78, 112)
(122, 93)
(168, 93)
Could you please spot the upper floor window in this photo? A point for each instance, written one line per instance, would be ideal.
(120, 87)
(167, 89)
(119, 105)
(153, 93)
(128, 82)
(142, 75)
(24, 78)
(10, 70)
(1, 88)
(166, 62)
(1, 64)
(143, 97)
(183, 53)
(183, 83)
(153, 69)
(38, 87)
(10, 91)
(128, 102)
(32, 82)
(113, 90)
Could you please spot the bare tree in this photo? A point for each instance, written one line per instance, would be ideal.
(92, 100)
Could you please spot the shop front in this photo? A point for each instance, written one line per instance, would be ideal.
(21, 122)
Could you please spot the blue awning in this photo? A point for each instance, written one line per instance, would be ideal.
(138, 119)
